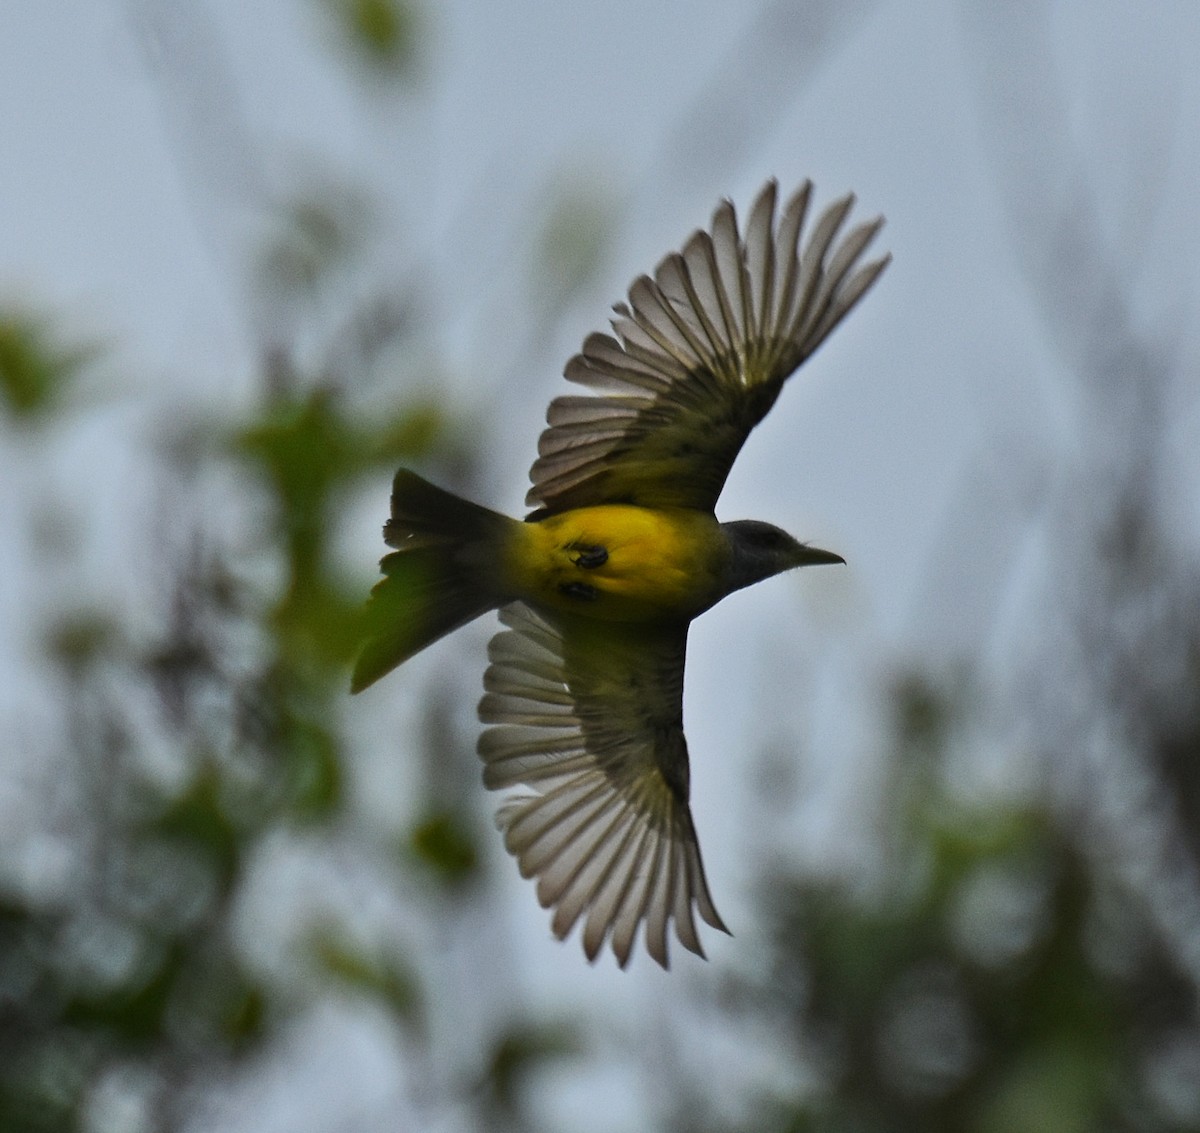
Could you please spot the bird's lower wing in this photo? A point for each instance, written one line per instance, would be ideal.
(587, 720)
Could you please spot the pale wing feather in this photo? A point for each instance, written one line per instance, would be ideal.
(586, 718)
(698, 355)
(613, 885)
(760, 258)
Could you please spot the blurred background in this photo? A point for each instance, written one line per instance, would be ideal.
(255, 256)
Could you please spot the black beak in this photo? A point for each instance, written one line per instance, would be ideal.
(814, 556)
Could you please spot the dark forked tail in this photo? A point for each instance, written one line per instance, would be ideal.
(441, 575)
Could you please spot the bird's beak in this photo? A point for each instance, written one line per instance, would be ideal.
(814, 556)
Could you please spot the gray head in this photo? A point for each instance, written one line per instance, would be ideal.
(760, 550)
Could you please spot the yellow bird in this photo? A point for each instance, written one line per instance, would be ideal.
(598, 585)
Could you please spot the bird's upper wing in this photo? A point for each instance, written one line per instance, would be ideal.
(699, 355)
(587, 718)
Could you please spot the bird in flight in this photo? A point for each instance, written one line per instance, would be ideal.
(599, 583)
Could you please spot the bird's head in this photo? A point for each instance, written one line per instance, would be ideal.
(760, 550)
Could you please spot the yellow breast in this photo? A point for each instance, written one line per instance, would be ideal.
(621, 563)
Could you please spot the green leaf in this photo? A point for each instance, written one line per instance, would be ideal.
(383, 33)
(133, 1010)
(36, 370)
(78, 640)
(445, 842)
(412, 433)
(244, 1018)
(521, 1050)
(315, 769)
(199, 818)
(383, 977)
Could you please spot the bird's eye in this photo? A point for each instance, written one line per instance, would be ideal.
(771, 538)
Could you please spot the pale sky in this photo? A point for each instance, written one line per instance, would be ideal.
(135, 171)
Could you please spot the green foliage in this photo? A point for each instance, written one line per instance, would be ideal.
(444, 842)
(313, 767)
(383, 34)
(307, 450)
(80, 639)
(518, 1053)
(415, 432)
(382, 978)
(931, 1032)
(198, 822)
(143, 972)
(991, 979)
(36, 369)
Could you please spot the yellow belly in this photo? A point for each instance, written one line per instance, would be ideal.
(657, 563)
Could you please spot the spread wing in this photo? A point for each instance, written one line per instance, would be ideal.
(587, 718)
(700, 353)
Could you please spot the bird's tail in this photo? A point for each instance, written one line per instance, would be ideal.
(441, 575)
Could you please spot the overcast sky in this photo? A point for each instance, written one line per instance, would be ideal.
(142, 141)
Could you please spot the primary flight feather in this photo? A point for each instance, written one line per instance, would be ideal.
(597, 587)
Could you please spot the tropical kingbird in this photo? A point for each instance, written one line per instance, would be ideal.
(598, 585)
